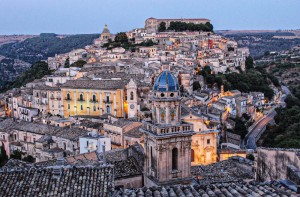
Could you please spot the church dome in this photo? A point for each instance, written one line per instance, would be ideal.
(105, 30)
(165, 82)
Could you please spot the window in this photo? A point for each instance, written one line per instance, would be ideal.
(108, 109)
(94, 97)
(81, 97)
(68, 96)
(81, 107)
(50, 80)
(208, 141)
(65, 146)
(174, 159)
(192, 155)
(152, 158)
(131, 96)
(94, 108)
(15, 136)
(68, 106)
(107, 98)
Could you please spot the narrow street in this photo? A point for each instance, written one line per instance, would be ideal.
(256, 130)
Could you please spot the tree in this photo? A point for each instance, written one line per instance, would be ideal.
(29, 159)
(3, 155)
(162, 27)
(79, 64)
(240, 128)
(196, 85)
(250, 156)
(16, 155)
(121, 37)
(249, 62)
(67, 63)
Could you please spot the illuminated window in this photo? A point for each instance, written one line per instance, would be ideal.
(192, 155)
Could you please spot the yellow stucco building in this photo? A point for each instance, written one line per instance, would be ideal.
(95, 98)
(204, 141)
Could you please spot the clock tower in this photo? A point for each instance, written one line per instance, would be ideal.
(132, 99)
(167, 139)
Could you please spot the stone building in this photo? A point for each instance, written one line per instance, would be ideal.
(152, 24)
(167, 139)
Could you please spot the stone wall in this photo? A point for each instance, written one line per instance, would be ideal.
(272, 163)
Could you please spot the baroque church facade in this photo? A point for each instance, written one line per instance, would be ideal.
(167, 139)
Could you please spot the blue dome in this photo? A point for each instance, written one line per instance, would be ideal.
(165, 82)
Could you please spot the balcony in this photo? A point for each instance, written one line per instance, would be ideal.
(107, 101)
(93, 100)
(80, 100)
(24, 112)
(68, 99)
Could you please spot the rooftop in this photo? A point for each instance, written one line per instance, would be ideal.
(73, 181)
(221, 189)
(95, 84)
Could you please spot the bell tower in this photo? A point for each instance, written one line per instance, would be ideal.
(167, 139)
(132, 99)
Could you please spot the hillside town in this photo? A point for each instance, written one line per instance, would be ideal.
(132, 115)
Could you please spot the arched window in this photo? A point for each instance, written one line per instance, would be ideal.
(68, 96)
(81, 97)
(108, 109)
(174, 159)
(94, 97)
(131, 96)
(152, 158)
(192, 155)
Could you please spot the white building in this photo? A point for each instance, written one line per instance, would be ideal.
(27, 113)
(94, 142)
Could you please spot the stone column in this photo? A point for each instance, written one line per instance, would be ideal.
(167, 116)
(157, 114)
(177, 113)
(115, 104)
(100, 104)
(75, 103)
(154, 113)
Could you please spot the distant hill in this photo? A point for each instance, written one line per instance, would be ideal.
(261, 42)
(46, 45)
(20, 53)
(36, 71)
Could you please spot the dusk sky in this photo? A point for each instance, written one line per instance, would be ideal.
(89, 16)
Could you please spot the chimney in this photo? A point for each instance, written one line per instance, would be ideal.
(57, 169)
